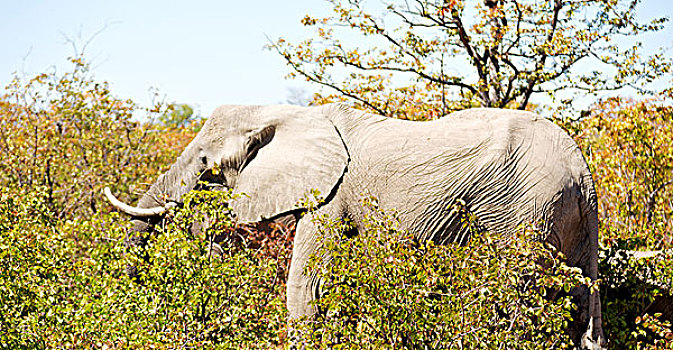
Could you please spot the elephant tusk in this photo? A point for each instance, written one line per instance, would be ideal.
(135, 211)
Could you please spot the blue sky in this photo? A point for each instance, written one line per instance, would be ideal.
(204, 53)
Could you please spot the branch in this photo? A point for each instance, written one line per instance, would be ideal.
(510, 81)
(464, 38)
(405, 51)
(519, 19)
(558, 4)
(330, 85)
(476, 59)
(421, 74)
(409, 22)
(651, 200)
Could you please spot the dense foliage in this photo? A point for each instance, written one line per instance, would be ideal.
(70, 134)
(63, 284)
(385, 290)
(628, 146)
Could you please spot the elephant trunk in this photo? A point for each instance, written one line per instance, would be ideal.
(167, 191)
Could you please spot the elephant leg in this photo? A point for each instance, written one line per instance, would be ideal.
(302, 289)
(586, 328)
(592, 336)
(575, 233)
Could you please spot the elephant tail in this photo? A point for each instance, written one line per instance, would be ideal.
(589, 229)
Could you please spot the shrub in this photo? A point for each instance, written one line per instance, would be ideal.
(630, 288)
(63, 286)
(64, 137)
(71, 135)
(217, 292)
(628, 147)
(386, 290)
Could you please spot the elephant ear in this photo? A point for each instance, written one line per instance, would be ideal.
(297, 150)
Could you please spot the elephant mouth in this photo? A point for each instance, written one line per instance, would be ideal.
(214, 180)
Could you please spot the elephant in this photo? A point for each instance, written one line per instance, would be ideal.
(508, 167)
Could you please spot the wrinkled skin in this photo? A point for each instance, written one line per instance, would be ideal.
(509, 167)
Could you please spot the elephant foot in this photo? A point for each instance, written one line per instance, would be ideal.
(588, 342)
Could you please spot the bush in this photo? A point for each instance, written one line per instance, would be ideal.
(628, 147)
(64, 285)
(69, 134)
(386, 290)
(630, 289)
(64, 137)
(218, 292)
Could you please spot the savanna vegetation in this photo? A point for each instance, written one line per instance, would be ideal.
(64, 137)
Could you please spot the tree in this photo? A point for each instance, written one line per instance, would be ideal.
(425, 57)
(628, 145)
(297, 97)
(177, 115)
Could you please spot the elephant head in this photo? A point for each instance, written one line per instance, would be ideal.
(272, 155)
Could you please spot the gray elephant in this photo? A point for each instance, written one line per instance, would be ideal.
(508, 166)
